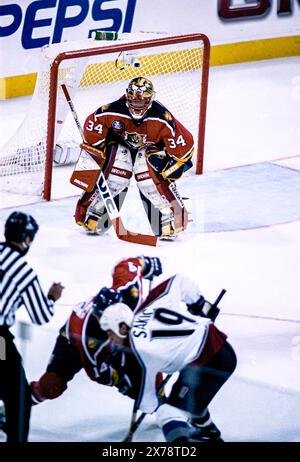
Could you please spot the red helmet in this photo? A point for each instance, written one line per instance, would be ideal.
(139, 97)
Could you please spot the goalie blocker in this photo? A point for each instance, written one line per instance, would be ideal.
(90, 162)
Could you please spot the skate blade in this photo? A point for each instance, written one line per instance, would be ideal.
(172, 237)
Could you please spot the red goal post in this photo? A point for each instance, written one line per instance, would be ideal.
(120, 48)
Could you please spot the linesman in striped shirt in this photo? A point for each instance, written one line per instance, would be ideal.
(19, 286)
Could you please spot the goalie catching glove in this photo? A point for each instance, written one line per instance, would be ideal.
(90, 161)
(168, 167)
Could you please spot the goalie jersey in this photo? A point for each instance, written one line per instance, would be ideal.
(113, 122)
(166, 337)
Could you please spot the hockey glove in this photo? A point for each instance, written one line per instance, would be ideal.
(55, 291)
(152, 267)
(169, 169)
(204, 309)
(106, 375)
(157, 159)
(122, 382)
(105, 298)
(175, 169)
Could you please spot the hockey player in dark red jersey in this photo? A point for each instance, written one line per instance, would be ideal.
(82, 343)
(137, 135)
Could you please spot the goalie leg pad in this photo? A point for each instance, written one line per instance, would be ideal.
(172, 196)
(162, 196)
(146, 184)
(88, 167)
(118, 172)
(98, 220)
(82, 205)
(154, 215)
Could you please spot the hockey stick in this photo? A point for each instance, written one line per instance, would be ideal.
(107, 197)
(150, 285)
(134, 424)
(213, 310)
(219, 297)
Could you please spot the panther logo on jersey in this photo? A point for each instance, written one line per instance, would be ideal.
(135, 140)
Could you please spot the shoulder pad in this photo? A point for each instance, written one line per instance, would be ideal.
(116, 106)
(103, 108)
(167, 116)
(160, 111)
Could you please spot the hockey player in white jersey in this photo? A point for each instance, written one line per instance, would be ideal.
(173, 331)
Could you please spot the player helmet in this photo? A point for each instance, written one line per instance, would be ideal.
(115, 315)
(18, 226)
(139, 97)
(105, 298)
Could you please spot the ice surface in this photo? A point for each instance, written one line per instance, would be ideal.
(244, 237)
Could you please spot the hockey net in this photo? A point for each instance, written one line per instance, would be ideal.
(96, 73)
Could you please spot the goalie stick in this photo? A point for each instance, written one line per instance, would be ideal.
(134, 424)
(107, 197)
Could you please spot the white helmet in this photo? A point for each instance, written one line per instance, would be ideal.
(114, 315)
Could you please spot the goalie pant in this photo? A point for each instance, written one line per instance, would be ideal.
(83, 344)
(126, 156)
(166, 337)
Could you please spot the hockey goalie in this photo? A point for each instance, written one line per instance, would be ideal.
(135, 135)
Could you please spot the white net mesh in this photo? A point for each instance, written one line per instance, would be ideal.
(175, 71)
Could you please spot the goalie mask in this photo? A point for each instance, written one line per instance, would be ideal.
(139, 97)
(115, 315)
